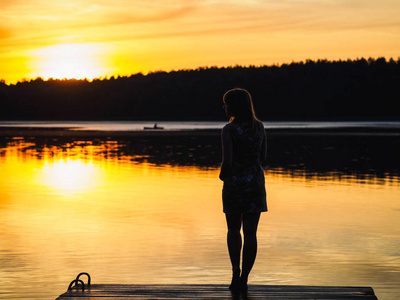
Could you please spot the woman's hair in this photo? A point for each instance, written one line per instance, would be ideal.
(240, 106)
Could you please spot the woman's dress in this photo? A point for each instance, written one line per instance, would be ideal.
(244, 188)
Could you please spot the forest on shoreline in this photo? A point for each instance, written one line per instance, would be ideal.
(362, 89)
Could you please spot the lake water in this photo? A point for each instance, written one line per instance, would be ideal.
(148, 210)
(168, 125)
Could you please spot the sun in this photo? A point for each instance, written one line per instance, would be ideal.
(74, 60)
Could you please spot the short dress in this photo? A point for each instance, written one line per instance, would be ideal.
(244, 191)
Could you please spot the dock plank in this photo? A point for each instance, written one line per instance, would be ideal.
(270, 292)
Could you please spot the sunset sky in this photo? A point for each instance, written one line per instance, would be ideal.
(88, 38)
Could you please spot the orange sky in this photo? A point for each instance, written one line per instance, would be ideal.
(87, 38)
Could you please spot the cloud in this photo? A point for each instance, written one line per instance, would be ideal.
(151, 15)
(4, 33)
(38, 18)
(142, 19)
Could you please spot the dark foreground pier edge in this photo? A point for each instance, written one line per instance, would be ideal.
(78, 289)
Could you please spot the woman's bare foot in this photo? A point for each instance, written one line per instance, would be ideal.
(236, 283)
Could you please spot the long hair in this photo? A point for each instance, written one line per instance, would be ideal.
(240, 106)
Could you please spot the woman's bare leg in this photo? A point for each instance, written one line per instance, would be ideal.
(250, 224)
(234, 238)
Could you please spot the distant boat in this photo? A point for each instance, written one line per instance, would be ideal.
(154, 127)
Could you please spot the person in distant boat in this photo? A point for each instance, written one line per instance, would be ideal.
(155, 126)
(244, 147)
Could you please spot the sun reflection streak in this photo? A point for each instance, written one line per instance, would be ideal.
(71, 176)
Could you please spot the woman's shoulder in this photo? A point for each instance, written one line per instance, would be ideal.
(228, 127)
(260, 124)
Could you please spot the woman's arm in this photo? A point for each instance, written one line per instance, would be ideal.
(226, 166)
(263, 151)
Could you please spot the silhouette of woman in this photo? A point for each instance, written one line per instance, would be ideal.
(244, 147)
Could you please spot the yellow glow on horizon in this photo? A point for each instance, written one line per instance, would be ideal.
(74, 60)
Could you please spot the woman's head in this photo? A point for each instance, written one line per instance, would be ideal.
(239, 105)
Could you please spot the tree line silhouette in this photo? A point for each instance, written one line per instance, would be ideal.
(300, 90)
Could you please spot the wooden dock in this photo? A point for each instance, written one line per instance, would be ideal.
(183, 291)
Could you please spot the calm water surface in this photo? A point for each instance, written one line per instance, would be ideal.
(150, 211)
(170, 125)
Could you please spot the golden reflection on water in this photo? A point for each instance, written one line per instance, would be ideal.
(70, 176)
(84, 207)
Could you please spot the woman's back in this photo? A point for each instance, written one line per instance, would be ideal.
(246, 143)
(244, 189)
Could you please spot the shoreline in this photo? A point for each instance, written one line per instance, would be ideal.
(69, 132)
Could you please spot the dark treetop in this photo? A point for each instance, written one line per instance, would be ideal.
(307, 90)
